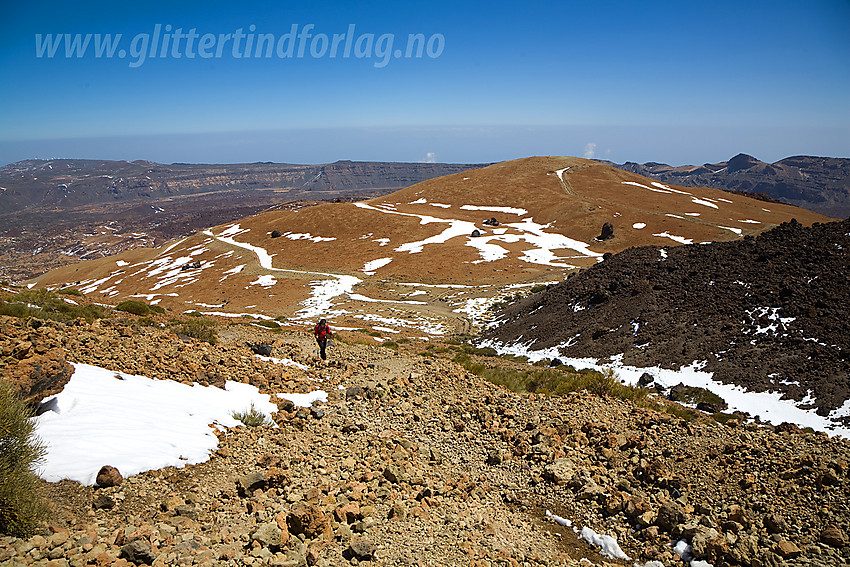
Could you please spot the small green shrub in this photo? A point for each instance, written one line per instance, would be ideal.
(695, 395)
(157, 309)
(134, 307)
(539, 287)
(251, 417)
(44, 304)
(553, 382)
(200, 329)
(22, 505)
(390, 344)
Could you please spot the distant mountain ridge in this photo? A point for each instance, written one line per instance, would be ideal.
(820, 184)
(67, 183)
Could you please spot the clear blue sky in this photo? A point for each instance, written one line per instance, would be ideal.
(676, 82)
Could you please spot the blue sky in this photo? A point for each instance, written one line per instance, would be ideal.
(674, 82)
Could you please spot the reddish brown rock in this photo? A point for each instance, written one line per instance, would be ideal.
(108, 476)
(833, 536)
(309, 520)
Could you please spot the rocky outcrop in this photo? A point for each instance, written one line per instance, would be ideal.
(766, 313)
(32, 358)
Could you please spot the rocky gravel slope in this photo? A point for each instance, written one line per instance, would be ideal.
(413, 461)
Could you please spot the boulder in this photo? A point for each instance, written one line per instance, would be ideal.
(787, 549)
(360, 548)
(707, 543)
(561, 472)
(607, 232)
(139, 552)
(276, 234)
(251, 482)
(261, 348)
(670, 515)
(267, 535)
(833, 536)
(308, 520)
(108, 476)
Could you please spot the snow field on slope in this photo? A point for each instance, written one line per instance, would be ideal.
(135, 423)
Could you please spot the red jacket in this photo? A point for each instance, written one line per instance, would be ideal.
(322, 333)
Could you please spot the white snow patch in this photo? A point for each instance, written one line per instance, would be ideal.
(122, 263)
(644, 187)
(420, 201)
(558, 519)
(750, 221)
(231, 271)
(679, 239)
(703, 202)
(264, 281)
(234, 315)
(135, 423)
(308, 236)
(735, 230)
(358, 297)
(283, 361)
(385, 329)
(607, 544)
(507, 210)
(370, 267)
(639, 225)
(324, 291)
(441, 205)
(560, 173)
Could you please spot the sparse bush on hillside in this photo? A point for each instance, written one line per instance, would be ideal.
(134, 307)
(552, 382)
(485, 351)
(200, 329)
(44, 304)
(251, 417)
(22, 506)
(564, 380)
(697, 396)
(390, 344)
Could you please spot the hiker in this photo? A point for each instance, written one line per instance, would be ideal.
(322, 332)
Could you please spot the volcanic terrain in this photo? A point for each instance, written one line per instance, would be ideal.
(769, 313)
(426, 259)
